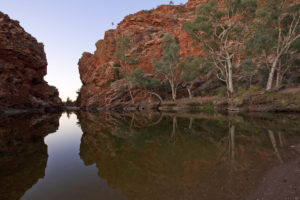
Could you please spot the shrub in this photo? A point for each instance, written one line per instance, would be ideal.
(221, 92)
(117, 65)
(208, 107)
(116, 74)
(254, 89)
(241, 91)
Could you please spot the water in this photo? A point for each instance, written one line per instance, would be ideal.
(142, 156)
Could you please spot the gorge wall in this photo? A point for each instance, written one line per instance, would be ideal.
(145, 30)
(23, 65)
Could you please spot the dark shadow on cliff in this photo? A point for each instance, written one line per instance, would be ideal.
(187, 156)
(23, 152)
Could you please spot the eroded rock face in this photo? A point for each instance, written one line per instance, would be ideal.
(145, 29)
(23, 65)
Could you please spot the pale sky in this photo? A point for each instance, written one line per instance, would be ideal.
(70, 27)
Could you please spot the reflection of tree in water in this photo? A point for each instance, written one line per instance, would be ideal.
(178, 157)
(23, 153)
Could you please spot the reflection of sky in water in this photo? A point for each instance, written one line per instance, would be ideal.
(66, 176)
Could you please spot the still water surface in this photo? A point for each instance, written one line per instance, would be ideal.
(141, 156)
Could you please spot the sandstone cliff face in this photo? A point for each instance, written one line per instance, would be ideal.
(23, 66)
(145, 29)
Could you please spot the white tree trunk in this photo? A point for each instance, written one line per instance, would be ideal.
(271, 75)
(131, 96)
(173, 91)
(157, 95)
(230, 81)
(189, 88)
(190, 93)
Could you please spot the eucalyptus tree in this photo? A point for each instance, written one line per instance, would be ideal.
(129, 62)
(192, 69)
(168, 67)
(222, 31)
(249, 70)
(277, 32)
(139, 79)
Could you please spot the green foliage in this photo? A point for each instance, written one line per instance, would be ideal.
(193, 68)
(221, 91)
(168, 67)
(254, 89)
(241, 91)
(123, 46)
(117, 65)
(274, 39)
(209, 19)
(116, 74)
(169, 62)
(139, 79)
(221, 35)
(69, 102)
(248, 67)
(208, 107)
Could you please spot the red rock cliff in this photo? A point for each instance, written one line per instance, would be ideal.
(145, 29)
(23, 66)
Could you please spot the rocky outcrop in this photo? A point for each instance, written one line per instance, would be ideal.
(23, 66)
(145, 29)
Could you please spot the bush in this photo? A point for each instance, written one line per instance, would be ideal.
(116, 74)
(208, 107)
(221, 91)
(254, 89)
(117, 65)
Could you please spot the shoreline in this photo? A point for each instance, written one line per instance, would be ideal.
(287, 100)
(284, 101)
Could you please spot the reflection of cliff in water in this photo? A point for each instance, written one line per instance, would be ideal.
(23, 153)
(185, 157)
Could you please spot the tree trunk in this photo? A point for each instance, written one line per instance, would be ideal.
(230, 81)
(189, 90)
(157, 95)
(271, 75)
(278, 78)
(131, 96)
(173, 91)
(190, 93)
